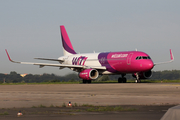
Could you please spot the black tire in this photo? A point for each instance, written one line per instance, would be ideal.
(124, 80)
(84, 81)
(120, 80)
(89, 81)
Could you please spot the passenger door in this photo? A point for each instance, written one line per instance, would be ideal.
(129, 59)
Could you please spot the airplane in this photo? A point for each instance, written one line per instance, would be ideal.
(90, 65)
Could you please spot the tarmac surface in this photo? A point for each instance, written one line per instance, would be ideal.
(151, 99)
(141, 113)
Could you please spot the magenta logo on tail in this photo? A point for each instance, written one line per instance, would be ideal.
(66, 41)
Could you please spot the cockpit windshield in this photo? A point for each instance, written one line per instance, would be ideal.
(142, 57)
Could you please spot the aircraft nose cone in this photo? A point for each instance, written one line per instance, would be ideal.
(148, 65)
(151, 65)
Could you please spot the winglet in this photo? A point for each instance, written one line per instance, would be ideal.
(9, 57)
(171, 55)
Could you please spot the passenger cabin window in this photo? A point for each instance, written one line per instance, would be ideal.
(142, 57)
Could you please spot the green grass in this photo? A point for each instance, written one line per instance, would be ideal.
(51, 105)
(39, 106)
(5, 113)
(90, 108)
(77, 82)
(160, 81)
(33, 107)
(108, 108)
(142, 81)
(74, 105)
(80, 82)
(87, 105)
(64, 105)
(70, 111)
(42, 106)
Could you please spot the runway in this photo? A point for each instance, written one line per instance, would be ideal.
(95, 94)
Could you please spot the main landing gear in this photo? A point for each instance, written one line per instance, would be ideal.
(122, 79)
(86, 81)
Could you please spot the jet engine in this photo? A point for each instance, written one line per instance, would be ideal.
(89, 74)
(144, 75)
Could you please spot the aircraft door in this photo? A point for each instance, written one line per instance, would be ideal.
(129, 59)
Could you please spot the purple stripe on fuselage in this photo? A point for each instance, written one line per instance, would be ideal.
(66, 47)
(102, 57)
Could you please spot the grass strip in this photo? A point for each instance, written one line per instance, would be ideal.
(5, 113)
(109, 108)
(110, 81)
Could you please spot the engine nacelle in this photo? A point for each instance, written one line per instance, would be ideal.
(89, 74)
(144, 75)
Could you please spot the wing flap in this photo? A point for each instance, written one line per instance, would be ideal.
(50, 59)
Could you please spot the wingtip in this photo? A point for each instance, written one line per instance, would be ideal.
(8, 55)
(171, 55)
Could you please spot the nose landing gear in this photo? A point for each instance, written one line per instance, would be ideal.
(137, 78)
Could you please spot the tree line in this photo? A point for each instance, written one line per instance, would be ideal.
(14, 77)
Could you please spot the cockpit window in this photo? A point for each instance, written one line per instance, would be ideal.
(142, 57)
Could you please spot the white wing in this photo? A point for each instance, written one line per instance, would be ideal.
(57, 65)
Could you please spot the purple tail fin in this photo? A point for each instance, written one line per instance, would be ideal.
(67, 46)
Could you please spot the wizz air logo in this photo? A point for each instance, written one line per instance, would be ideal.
(79, 60)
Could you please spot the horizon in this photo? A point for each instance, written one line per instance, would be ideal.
(30, 29)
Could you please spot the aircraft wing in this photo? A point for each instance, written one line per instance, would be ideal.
(171, 56)
(57, 65)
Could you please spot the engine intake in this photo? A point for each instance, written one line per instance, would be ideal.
(89, 74)
(144, 75)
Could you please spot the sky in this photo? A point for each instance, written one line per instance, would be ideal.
(30, 29)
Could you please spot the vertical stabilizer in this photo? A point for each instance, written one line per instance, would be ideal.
(67, 46)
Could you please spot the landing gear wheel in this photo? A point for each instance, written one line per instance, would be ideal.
(136, 81)
(86, 81)
(122, 80)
